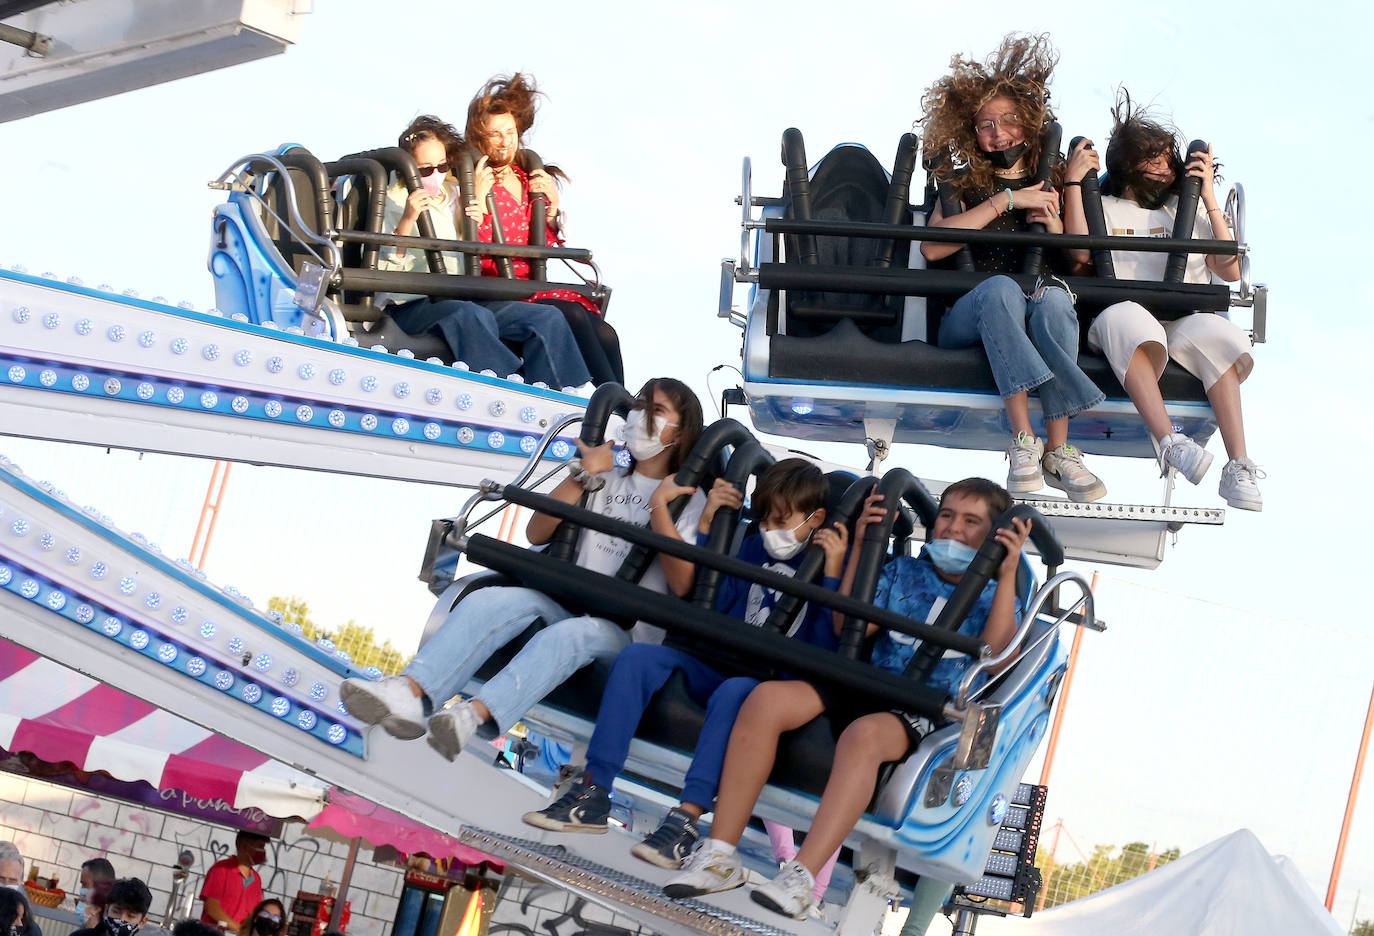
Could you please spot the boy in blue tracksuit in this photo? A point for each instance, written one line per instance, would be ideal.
(789, 502)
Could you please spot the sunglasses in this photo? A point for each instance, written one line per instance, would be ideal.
(269, 916)
(426, 171)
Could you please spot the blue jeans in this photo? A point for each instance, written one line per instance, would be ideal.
(1031, 344)
(487, 620)
(639, 672)
(475, 333)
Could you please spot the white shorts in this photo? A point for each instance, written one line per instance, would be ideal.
(1203, 343)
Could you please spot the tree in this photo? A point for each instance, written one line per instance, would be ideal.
(1363, 928)
(1105, 867)
(360, 643)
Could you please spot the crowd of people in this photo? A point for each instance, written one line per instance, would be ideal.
(109, 905)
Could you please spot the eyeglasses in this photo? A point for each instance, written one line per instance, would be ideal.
(269, 916)
(1001, 120)
(426, 171)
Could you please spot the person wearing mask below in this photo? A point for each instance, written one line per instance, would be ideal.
(15, 917)
(126, 912)
(97, 876)
(265, 920)
(232, 887)
(475, 334)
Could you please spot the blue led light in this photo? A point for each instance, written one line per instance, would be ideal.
(115, 333)
(85, 327)
(281, 706)
(379, 349)
(802, 406)
(963, 790)
(167, 652)
(17, 373)
(289, 676)
(515, 378)
(372, 672)
(127, 585)
(622, 459)
(57, 600)
(318, 691)
(153, 600)
(400, 425)
(46, 541)
(263, 662)
(209, 399)
(275, 364)
(73, 555)
(275, 616)
(80, 382)
(497, 408)
(337, 376)
(175, 395)
(466, 435)
(112, 386)
(368, 422)
(47, 376)
(52, 320)
(997, 812)
(180, 346)
(98, 570)
(305, 371)
(252, 693)
(343, 709)
(496, 439)
(147, 338)
(306, 720)
(85, 614)
(138, 639)
(337, 418)
(432, 431)
(325, 644)
(434, 396)
(336, 734)
(304, 413)
(239, 404)
(464, 401)
(295, 628)
(179, 615)
(487, 372)
(272, 408)
(28, 588)
(196, 666)
(243, 357)
(540, 384)
(528, 414)
(402, 390)
(461, 365)
(112, 626)
(224, 680)
(21, 314)
(236, 645)
(406, 353)
(145, 390)
(560, 449)
(368, 383)
(207, 630)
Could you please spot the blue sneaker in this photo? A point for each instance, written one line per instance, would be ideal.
(671, 842)
(583, 807)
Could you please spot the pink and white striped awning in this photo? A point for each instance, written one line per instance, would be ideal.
(59, 715)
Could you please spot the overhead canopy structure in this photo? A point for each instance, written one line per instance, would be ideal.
(81, 50)
(1229, 887)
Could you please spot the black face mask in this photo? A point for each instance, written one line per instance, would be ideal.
(265, 927)
(1149, 193)
(1005, 159)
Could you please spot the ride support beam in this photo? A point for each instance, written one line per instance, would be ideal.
(450, 284)
(580, 254)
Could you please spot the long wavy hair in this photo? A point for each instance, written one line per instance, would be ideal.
(1138, 136)
(517, 95)
(1020, 69)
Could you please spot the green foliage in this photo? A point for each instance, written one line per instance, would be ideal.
(1363, 928)
(1105, 867)
(359, 642)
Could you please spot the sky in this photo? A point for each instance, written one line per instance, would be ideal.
(1230, 687)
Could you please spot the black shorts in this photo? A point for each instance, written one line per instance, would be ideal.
(842, 709)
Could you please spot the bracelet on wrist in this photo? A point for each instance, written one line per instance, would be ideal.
(1067, 184)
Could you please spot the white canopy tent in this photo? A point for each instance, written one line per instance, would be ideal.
(1229, 887)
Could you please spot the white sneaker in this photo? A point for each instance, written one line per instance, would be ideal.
(452, 728)
(791, 893)
(708, 870)
(1238, 486)
(1185, 456)
(1025, 453)
(388, 702)
(1065, 470)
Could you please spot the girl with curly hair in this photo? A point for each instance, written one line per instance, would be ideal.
(982, 128)
(1146, 168)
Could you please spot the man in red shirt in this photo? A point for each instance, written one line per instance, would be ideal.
(232, 888)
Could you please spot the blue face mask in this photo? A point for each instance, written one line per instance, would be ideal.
(950, 556)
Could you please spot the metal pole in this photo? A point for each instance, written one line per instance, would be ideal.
(1350, 803)
(1063, 699)
(336, 913)
(219, 479)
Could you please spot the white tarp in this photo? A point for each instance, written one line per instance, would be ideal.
(1230, 887)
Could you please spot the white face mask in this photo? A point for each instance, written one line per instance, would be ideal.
(641, 444)
(783, 544)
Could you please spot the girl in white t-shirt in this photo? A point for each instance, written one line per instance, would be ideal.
(1145, 166)
(660, 432)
